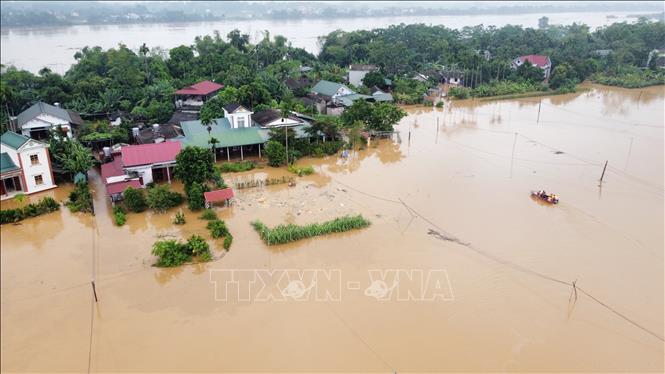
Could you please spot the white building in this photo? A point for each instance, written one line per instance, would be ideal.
(25, 165)
(358, 71)
(238, 116)
(36, 121)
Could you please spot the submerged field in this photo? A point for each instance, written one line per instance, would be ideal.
(461, 182)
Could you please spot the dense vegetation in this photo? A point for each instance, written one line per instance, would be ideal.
(80, 199)
(172, 253)
(45, 205)
(288, 233)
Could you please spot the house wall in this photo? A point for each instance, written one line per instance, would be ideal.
(334, 111)
(30, 171)
(144, 172)
(239, 116)
(45, 121)
(356, 77)
(278, 122)
(343, 91)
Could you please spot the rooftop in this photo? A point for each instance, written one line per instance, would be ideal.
(13, 140)
(112, 169)
(218, 195)
(154, 153)
(43, 108)
(202, 88)
(362, 67)
(327, 88)
(538, 60)
(120, 187)
(6, 163)
(232, 107)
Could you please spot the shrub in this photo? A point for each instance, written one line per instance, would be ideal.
(235, 167)
(45, 205)
(459, 92)
(330, 148)
(197, 245)
(170, 252)
(160, 199)
(217, 228)
(276, 153)
(301, 170)
(119, 215)
(80, 199)
(288, 233)
(135, 200)
(195, 198)
(439, 104)
(209, 215)
(179, 218)
(173, 253)
(227, 241)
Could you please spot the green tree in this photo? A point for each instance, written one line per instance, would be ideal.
(194, 164)
(135, 199)
(374, 78)
(195, 198)
(70, 155)
(276, 153)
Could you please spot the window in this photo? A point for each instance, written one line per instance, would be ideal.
(34, 159)
(39, 180)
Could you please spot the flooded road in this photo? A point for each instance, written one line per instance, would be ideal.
(468, 178)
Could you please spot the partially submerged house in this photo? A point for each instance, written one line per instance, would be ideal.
(338, 96)
(138, 165)
(156, 133)
(357, 73)
(191, 98)
(25, 165)
(37, 121)
(540, 61)
(240, 132)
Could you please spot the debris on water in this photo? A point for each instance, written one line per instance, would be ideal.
(441, 236)
(558, 152)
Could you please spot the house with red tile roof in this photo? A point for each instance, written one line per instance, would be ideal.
(138, 165)
(191, 98)
(540, 61)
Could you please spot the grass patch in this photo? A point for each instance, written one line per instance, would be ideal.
(301, 170)
(236, 167)
(289, 233)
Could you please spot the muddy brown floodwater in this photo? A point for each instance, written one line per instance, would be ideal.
(464, 179)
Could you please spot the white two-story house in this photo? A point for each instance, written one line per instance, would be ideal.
(25, 165)
(238, 116)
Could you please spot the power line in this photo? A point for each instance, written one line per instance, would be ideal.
(520, 268)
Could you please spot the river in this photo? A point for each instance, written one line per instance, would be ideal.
(54, 47)
(464, 172)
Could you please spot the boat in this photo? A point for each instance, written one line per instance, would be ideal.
(549, 198)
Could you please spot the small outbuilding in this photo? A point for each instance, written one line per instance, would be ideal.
(224, 195)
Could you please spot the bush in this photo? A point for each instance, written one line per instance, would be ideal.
(235, 167)
(197, 245)
(80, 199)
(301, 170)
(45, 205)
(288, 233)
(119, 215)
(179, 219)
(276, 153)
(439, 104)
(227, 241)
(459, 92)
(195, 198)
(160, 199)
(330, 148)
(217, 228)
(174, 253)
(135, 200)
(209, 215)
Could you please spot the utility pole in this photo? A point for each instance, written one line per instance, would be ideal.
(540, 103)
(603, 174)
(286, 137)
(512, 156)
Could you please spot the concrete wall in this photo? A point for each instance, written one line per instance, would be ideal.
(356, 77)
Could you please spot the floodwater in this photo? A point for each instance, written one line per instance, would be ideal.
(463, 180)
(33, 48)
